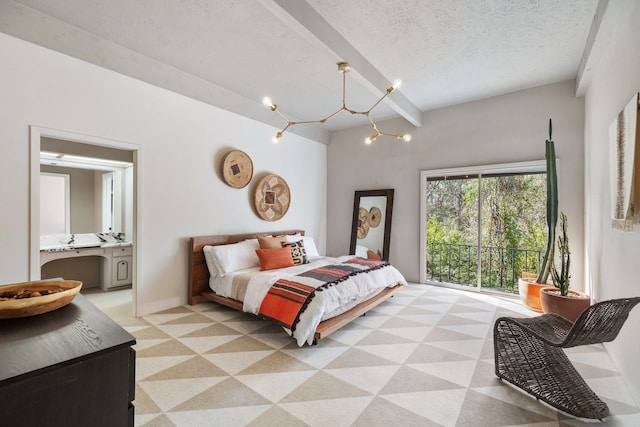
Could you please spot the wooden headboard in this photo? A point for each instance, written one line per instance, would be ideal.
(198, 271)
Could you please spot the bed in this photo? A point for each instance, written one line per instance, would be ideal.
(318, 318)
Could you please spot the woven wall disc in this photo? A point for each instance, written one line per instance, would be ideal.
(272, 198)
(237, 169)
(375, 216)
(363, 223)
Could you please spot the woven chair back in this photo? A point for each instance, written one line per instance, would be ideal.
(601, 322)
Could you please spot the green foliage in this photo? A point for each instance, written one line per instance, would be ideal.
(562, 278)
(512, 221)
(435, 230)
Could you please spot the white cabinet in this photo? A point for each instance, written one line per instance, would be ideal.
(116, 268)
(121, 267)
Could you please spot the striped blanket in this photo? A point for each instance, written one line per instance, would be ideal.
(288, 297)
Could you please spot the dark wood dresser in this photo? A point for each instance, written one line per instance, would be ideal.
(70, 367)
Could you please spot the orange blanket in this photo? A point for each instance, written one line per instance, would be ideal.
(288, 297)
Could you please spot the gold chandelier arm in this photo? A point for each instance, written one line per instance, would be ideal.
(405, 137)
(306, 122)
(393, 135)
(373, 124)
(387, 93)
(302, 122)
(289, 124)
(333, 114)
(354, 112)
(282, 115)
(343, 67)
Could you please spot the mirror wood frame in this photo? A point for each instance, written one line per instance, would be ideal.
(388, 193)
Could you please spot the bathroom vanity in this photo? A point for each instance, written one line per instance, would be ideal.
(116, 254)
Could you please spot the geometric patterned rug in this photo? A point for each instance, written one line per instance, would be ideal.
(422, 358)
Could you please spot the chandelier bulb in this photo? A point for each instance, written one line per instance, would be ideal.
(406, 137)
(370, 139)
(397, 83)
(277, 137)
(269, 103)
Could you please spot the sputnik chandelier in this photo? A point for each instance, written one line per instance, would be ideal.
(343, 68)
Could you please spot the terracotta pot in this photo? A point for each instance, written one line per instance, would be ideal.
(530, 294)
(569, 307)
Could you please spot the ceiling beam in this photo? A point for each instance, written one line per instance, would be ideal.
(605, 22)
(302, 18)
(33, 26)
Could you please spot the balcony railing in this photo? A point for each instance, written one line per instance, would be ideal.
(499, 267)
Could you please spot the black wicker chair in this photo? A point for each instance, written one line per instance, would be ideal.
(529, 355)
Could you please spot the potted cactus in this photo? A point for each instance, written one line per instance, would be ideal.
(528, 288)
(562, 278)
(559, 298)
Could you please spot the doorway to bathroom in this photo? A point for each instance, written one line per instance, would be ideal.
(97, 242)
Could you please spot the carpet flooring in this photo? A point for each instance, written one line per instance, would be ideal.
(423, 358)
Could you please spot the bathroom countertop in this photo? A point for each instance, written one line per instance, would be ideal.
(64, 242)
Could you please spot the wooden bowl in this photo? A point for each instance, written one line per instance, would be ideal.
(32, 306)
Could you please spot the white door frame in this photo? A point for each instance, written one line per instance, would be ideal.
(35, 135)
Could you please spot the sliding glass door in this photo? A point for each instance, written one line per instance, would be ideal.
(452, 229)
(483, 226)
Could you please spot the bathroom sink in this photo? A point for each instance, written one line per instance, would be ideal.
(85, 245)
(70, 242)
(115, 245)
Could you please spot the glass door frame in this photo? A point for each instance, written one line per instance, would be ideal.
(535, 166)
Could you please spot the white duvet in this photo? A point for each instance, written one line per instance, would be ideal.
(331, 302)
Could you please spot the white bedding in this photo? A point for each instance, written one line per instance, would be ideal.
(331, 302)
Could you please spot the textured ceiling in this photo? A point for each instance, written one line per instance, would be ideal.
(232, 53)
(453, 51)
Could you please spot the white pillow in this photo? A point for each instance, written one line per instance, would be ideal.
(309, 244)
(210, 259)
(236, 256)
(361, 251)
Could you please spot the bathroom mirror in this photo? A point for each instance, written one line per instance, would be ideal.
(371, 225)
(95, 195)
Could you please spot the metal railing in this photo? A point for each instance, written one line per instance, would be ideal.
(499, 267)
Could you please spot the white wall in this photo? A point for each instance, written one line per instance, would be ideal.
(181, 143)
(612, 255)
(502, 129)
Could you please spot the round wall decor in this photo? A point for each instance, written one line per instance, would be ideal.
(272, 198)
(363, 223)
(237, 169)
(375, 216)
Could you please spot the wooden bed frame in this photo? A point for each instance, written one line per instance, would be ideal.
(199, 290)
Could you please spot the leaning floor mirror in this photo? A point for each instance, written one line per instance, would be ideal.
(371, 226)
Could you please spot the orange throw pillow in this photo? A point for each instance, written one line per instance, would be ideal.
(271, 242)
(373, 255)
(271, 259)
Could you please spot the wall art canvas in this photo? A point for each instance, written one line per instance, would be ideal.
(624, 159)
